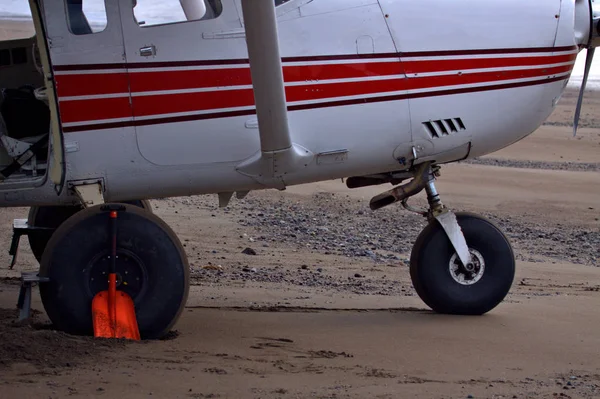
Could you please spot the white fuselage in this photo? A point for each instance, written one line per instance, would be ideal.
(368, 83)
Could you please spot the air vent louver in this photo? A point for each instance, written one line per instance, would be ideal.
(444, 127)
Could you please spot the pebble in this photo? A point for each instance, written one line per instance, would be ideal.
(249, 251)
(383, 238)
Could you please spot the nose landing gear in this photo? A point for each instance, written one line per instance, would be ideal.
(461, 263)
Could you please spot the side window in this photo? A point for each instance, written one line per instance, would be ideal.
(86, 16)
(152, 12)
(4, 57)
(14, 56)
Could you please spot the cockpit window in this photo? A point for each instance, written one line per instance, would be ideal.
(160, 12)
(86, 16)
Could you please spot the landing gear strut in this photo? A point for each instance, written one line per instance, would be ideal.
(461, 263)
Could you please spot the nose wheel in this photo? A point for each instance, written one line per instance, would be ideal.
(448, 286)
(461, 263)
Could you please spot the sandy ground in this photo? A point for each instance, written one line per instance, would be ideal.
(325, 308)
(16, 29)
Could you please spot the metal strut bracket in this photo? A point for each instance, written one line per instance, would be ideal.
(424, 176)
(89, 194)
(447, 220)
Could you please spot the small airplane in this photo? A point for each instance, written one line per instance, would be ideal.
(242, 95)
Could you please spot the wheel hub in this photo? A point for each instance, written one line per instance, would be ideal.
(131, 274)
(467, 274)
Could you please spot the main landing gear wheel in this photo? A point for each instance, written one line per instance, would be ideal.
(54, 216)
(445, 285)
(151, 267)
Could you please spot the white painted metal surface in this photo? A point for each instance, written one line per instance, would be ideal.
(366, 79)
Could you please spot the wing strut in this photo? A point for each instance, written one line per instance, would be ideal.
(278, 154)
(267, 75)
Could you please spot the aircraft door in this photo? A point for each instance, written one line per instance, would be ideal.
(185, 75)
(86, 49)
(86, 46)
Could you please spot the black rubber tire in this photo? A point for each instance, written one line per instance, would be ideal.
(67, 297)
(431, 277)
(54, 216)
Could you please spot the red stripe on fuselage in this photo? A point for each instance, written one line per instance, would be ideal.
(424, 66)
(163, 103)
(339, 103)
(203, 101)
(190, 79)
(316, 91)
(95, 109)
(482, 77)
(188, 102)
(206, 78)
(91, 84)
(144, 81)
